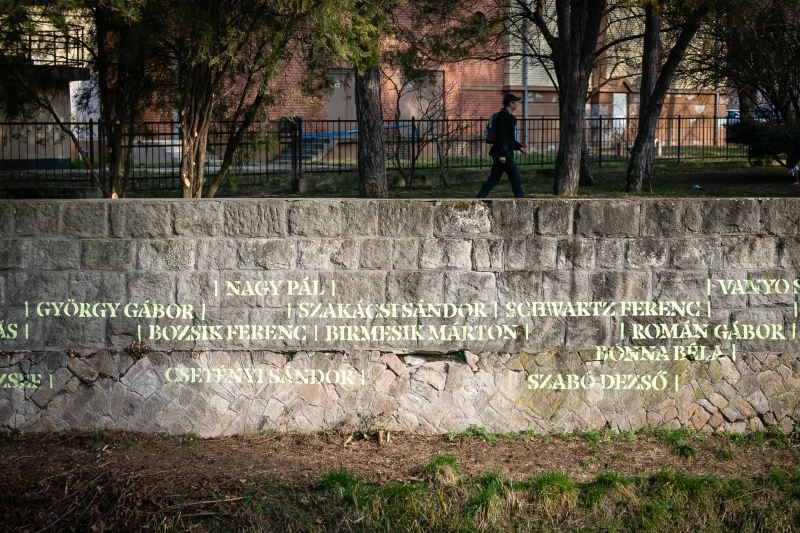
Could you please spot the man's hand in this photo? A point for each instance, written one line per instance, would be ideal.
(502, 160)
(523, 149)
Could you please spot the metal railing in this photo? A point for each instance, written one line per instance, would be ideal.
(283, 151)
(52, 48)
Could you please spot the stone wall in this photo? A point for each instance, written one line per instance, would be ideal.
(228, 316)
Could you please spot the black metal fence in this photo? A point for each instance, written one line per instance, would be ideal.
(281, 151)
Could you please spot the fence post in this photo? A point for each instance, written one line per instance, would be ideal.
(294, 151)
(299, 151)
(600, 150)
(91, 141)
(481, 142)
(101, 146)
(679, 139)
(543, 129)
(413, 152)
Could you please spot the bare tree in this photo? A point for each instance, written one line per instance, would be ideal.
(657, 78)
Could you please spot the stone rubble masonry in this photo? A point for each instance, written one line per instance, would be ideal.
(84, 373)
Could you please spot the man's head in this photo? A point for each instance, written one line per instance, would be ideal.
(510, 100)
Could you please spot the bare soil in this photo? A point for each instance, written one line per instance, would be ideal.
(51, 481)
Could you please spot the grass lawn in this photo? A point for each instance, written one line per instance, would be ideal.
(723, 179)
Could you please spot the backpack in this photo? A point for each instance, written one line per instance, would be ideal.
(489, 133)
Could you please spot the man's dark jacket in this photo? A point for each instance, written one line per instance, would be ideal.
(504, 125)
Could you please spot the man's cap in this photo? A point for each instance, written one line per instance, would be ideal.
(507, 99)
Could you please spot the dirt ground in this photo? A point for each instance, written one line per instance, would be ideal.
(161, 474)
(30, 458)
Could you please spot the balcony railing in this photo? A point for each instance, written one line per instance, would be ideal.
(52, 48)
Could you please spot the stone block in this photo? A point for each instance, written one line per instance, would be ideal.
(574, 253)
(487, 254)
(78, 333)
(699, 418)
(142, 379)
(695, 253)
(662, 218)
(37, 219)
(196, 288)
(781, 216)
(359, 218)
(407, 287)
(405, 254)
(376, 254)
(255, 218)
(315, 218)
(88, 286)
(470, 287)
(446, 254)
(758, 401)
(169, 254)
(610, 253)
(217, 254)
(767, 329)
(6, 218)
(269, 254)
(103, 363)
(46, 392)
(464, 217)
(394, 363)
(10, 255)
(647, 253)
(325, 254)
(771, 288)
(750, 252)
(586, 333)
(86, 219)
(523, 286)
(555, 218)
(789, 253)
(354, 286)
(724, 216)
(513, 218)
(608, 218)
(619, 286)
(565, 286)
(141, 219)
(405, 219)
(682, 286)
(50, 254)
(108, 254)
(431, 376)
(515, 252)
(158, 287)
(37, 287)
(81, 370)
(198, 217)
(541, 253)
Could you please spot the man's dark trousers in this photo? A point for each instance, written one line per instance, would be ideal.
(510, 168)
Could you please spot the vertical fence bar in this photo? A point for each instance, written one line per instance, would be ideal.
(600, 141)
(679, 139)
(91, 142)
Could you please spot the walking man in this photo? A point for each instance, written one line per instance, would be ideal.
(503, 147)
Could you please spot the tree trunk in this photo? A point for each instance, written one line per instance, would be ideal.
(371, 151)
(587, 174)
(642, 160)
(643, 154)
(568, 159)
(578, 30)
(194, 121)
